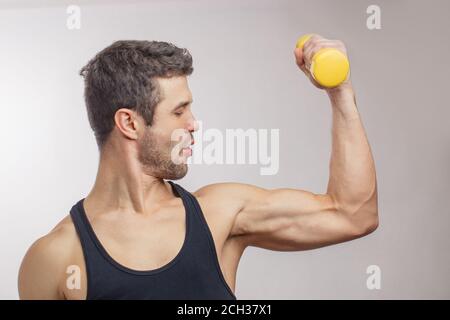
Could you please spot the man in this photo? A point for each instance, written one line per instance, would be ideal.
(137, 236)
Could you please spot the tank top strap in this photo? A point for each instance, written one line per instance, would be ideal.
(201, 233)
(90, 251)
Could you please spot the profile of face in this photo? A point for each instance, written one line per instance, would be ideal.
(163, 148)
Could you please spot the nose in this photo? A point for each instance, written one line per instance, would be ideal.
(193, 125)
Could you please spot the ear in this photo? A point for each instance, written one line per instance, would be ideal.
(127, 123)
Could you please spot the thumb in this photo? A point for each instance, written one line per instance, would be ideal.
(298, 52)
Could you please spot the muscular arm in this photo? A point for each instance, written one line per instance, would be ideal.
(352, 183)
(288, 219)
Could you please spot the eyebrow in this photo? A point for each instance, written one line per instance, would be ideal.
(182, 104)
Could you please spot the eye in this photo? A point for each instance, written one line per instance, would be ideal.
(178, 114)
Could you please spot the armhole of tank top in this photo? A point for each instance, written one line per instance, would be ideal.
(211, 242)
(84, 250)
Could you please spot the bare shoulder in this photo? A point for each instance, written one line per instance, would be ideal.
(222, 201)
(225, 198)
(232, 195)
(235, 192)
(44, 264)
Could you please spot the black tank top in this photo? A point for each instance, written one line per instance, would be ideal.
(193, 274)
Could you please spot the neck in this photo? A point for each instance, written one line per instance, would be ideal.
(123, 185)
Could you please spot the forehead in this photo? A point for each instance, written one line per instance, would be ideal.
(174, 90)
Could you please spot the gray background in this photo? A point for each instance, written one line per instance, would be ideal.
(245, 77)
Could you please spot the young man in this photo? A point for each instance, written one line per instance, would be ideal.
(138, 236)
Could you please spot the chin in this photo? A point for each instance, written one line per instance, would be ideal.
(179, 173)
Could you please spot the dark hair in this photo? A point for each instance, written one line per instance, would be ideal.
(123, 76)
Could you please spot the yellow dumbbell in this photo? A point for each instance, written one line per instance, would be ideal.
(329, 66)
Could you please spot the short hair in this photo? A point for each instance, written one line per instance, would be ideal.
(123, 76)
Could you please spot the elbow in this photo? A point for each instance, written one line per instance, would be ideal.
(371, 226)
(366, 217)
(371, 215)
(368, 223)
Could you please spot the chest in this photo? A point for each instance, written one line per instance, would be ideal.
(151, 243)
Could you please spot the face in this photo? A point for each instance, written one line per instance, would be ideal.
(161, 146)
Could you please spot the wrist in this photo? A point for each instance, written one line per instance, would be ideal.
(343, 101)
(341, 92)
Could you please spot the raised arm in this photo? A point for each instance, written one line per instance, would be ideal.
(287, 219)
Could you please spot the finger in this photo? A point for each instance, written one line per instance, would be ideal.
(298, 52)
(299, 59)
(309, 46)
(309, 52)
(313, 39)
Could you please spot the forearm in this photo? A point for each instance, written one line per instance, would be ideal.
(352, 182)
